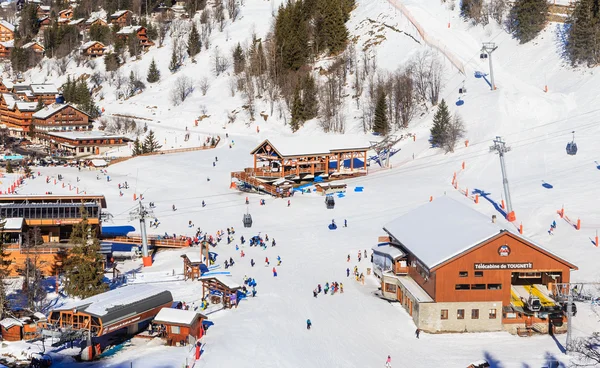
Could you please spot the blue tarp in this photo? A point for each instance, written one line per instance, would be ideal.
(110, 231)
(13, 157)
(346, 163)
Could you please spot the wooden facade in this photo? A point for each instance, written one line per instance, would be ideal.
(24, 328)
(92, 21)
(79, 143)
(7, 31)
(60, 117)
(44, 22)
(176, 332)
(5, 49)
(16, 116)
(222, 290)
(139, 32)
(65, 14)
(121, 18)
(93, 49)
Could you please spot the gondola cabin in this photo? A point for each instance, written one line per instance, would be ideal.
(180, 326)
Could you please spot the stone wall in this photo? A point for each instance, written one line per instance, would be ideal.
(429, 318)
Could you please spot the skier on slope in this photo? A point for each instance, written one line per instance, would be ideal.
(388, 362)
(308, 324)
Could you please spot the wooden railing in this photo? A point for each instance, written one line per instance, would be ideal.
(268, 188)
(152, 240)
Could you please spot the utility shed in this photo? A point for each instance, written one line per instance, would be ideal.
(180, 326)
(113, 310)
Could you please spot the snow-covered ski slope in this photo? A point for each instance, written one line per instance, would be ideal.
(357, 329)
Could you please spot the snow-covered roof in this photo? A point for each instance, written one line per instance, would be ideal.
(45, 8)
(223, 280)
(440, 230)
(314, 145)
(82, 135)
(8, 44)
(129, 30)
(9, 99)
(39, 315)
(89, 44)
(118, 13)
(50, 110)
(99, 163)
(44, 89)
(26, 106)
(64, 11)
(8, 83)
(105, 303)
(76, 21)
(13, 223)
(10, 322)
(177, 316)
(393, 252)
(7, 25)
(30, 44)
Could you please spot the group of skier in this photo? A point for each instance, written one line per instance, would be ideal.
(333, 288)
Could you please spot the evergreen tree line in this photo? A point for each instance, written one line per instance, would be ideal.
(149, 145)
(78, 93)
(583, 34)
(61, 41)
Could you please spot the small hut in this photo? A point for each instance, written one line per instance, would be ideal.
(330, 188)
(180, 326)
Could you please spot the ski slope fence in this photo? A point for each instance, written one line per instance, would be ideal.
(431, 41)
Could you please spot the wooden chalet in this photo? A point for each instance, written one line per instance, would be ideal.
(44, 92)
(94, 20)
(34, 46)
(81, 143)
(43, 11)
(6, 48)
(279, 160)
(330, 188)
(24, 328)
(7, 31)
(65, 14)
(44, 22)
(122, 18)
(93, 49)
(61, 117)
(137, 31)
(179, 326)
(129, 309)
(78, 23)
(16, 114)
(220, 289)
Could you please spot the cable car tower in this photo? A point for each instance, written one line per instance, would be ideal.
(141, 213)
(384, 148)
(486, 53)
(500, 147)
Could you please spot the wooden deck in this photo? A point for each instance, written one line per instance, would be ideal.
(255, 183)
(152, 241)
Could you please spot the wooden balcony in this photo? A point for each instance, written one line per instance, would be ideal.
(399, 270)
(288, 171)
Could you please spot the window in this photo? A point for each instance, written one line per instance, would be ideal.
(175, 329)
(444, 314)
(462, 287)
(390, 288)
(478, 273)
(492, 314)
(494, 286)
(478, 287)
(463, 274)
(474, 313)
(460, 314)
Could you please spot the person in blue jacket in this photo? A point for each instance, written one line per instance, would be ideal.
(308, 324)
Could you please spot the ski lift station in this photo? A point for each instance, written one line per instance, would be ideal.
(466, 273)
(279, 163)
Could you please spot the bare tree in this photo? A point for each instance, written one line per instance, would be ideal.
(221, 63)
(420, 67)
(204, 85)
(232, 86)
(182, 89)
(233, 9)
(62, 64)
(436, 79)
(497, 9)
(455, 131)
(587, 351)
(249, 95)
(405, 105)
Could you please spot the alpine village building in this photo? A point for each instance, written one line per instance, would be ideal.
(466, 273)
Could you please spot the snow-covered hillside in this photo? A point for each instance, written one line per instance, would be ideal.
(357, 329)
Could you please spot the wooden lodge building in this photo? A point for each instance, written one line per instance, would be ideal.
(128, 310)
(454, 270)
(16, 114)
(7, 31)
(180, 326)
(82, 143)
(92, 49)
(60, 117)
(137, 31)
(122, 18)
(278, 161)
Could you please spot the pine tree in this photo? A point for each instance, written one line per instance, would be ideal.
(150, 143)
(39, 106)
(9, 168)
(441, 124)
(83, 266)
(153, 73)
(174, 65)
(582, 44)
(137, 147)
(331, 31)
(239, 60)
(291, 36)
(194, 44)
(309, 98)
(297, 111)
(527, 19)
(380, 121)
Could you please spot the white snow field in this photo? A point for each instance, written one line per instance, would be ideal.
(356, 328)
